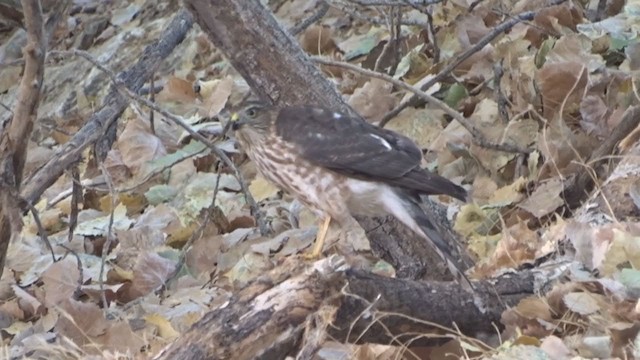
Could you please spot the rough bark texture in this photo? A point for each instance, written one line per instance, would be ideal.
(267, 319)
(397, 302)
(13, 137)
(266, 56)
(412, 257)
(264, 320)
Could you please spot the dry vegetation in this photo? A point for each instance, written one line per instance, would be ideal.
(126, 229)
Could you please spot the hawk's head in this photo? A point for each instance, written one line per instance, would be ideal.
(253, 116)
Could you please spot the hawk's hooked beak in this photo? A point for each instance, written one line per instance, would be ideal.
(236, 122)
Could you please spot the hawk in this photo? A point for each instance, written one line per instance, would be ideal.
(340, 166)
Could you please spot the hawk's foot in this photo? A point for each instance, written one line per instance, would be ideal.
(312, 255)
(316, 251)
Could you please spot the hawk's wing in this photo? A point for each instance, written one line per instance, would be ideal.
(355, 148)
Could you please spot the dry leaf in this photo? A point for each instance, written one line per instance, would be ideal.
(61, 280)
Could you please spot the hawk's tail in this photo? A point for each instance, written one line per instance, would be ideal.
(439, 244)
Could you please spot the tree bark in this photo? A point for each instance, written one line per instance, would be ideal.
(14, 137)
(264, 53)
(267, 319)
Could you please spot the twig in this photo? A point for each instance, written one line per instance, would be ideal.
(6, 108)
(501, 100)
(42, 230)
(113, 105)
(78, 292)
(485, 40)
(476, 90)
(108, 241)
(581, 184)
(320, 12)
(198, 233)
(76, 194)
(393, 45)
(255, 210)
(431, 31)
(152, 98)
(600, 10)
(474, 5)
(358, 14)
(396, 26)
(478, 138)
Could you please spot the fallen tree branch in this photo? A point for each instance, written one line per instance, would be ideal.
(266, 320)
(113, 105)
(14, 136)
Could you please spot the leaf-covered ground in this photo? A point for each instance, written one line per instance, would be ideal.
(558, 84)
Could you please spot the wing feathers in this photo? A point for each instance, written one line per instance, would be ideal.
(355, 148)
(428, 183)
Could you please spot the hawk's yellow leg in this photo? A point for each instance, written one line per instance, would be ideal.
(319, 243)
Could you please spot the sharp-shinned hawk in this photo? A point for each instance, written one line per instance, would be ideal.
(340, 166)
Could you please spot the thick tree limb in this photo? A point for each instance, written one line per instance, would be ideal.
(113, 105)
(266, 56)
(413, 258)
(266, 320)
(14, 137)
(395, 302)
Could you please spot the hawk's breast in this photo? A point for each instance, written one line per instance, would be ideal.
(320, 189)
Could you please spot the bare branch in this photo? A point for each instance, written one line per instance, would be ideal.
(14, 137)
(113, 105)
(484, 41)
(321, 11)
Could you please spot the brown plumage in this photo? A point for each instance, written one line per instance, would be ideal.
(340, 166)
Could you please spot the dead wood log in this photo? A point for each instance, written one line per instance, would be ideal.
(264, 320)
(267, 319)
(277, 69)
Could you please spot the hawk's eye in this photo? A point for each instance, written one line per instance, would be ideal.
(251, 112)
